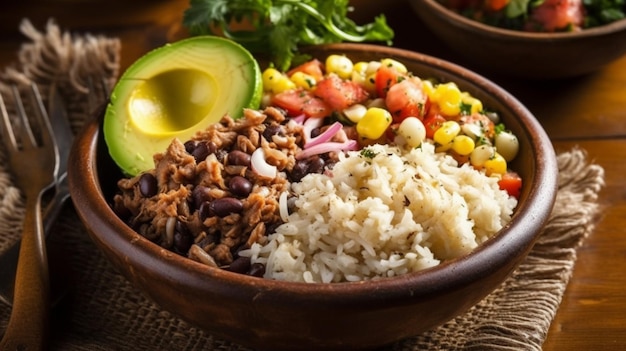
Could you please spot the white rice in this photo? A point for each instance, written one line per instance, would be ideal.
(400, 211)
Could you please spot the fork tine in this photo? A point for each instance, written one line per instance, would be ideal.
(6, 129)
(25, 133)
(47, 137)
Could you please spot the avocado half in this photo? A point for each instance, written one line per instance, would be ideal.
(173, 92)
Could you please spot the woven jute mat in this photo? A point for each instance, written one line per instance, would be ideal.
(103, 311)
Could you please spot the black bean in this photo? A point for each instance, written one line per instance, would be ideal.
(316, 165)
(298, 171)
(270, 130)
(240, 186)
(190, 145)
(315, 132)
(204, 210)
(225, 206)
(148, 185)
(199, 195)
(182, 238)
(200, 152)
(240, 265)
(257, 270)
(239, 158)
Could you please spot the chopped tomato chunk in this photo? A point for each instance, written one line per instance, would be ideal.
(385, 78)
(511, 182)
(406, 99)
(432, 122)
(300, 101)
(340, 94)
(314, 68)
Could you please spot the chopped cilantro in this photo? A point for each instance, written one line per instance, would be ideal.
(279, 27)
(368, 153)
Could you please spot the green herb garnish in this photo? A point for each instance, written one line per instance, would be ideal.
(279, 27)
(368, 153)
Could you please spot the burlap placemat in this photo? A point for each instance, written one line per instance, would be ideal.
(102, 311)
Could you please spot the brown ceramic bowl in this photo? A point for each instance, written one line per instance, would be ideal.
(523, 54)
(274, 315)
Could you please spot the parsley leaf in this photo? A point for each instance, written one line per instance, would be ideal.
(277, 28)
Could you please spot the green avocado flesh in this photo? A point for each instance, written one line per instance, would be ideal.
(175, 91)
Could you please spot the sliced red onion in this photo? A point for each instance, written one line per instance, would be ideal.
(327, 147)
(328, 134)
(309, 125)
(260, 166)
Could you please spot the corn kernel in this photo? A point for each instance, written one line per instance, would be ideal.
(398, 66)
(495, 165)
(360, 67)
(476, 105)
(303, 80)
(447, 132)
(276, 82)
(374, 123)
(370, 83)
(448, 97)
(359, 74)
(270, 75)
(340, 65)
(463, 145)
(428, 88)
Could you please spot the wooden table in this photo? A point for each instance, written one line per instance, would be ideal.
(589, 112)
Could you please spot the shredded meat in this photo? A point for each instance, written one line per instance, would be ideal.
(195, 209)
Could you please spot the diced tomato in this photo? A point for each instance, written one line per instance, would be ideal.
(338, 93)
(392, 131)
(385, 78)
(554, 15)
(300, 101)
(511, 182)
(432, 122)
(496, 5)
(406, 99)
(314, 68)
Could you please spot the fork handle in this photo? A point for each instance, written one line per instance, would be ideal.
(28, 325)
(8, 259)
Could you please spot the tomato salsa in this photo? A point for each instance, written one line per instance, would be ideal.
(382, 102)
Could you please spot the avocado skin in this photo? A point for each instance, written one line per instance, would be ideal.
(230, 73)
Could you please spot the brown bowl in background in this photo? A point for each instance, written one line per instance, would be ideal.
(524, 54)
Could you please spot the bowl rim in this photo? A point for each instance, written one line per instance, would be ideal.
(461, 21)
(85, 188)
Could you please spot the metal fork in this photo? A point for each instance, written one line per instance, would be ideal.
(34, 162)
(63, 136)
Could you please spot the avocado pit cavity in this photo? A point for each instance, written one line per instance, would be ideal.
(172, 101)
